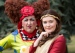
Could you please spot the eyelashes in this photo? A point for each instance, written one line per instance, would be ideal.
(46, 21)
(32, 19)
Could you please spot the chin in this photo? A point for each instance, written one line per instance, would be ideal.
(29, 31)
(49, 31)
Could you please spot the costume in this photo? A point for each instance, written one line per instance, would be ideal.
(17, 10)
(14, 41)
(57, 46)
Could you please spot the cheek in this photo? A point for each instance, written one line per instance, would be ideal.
(54, 26)
(44, 26)
(23, 23)
(34, 23)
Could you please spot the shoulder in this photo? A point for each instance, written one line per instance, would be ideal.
(59, 42)
(59, 45)
(60, 38)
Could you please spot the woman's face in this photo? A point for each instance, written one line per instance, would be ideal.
(49, 24)
(29, 24)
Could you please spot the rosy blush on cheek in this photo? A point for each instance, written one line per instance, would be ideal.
(23, 24)
(34, 23)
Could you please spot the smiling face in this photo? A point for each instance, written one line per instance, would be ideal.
(49, 24)
(29, 24)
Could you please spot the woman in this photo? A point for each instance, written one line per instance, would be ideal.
(49, 41)
(26, 17)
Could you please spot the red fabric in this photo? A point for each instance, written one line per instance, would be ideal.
(30, 35)
(32, 49)
(58, 46)
(25, 11)
(38, 22)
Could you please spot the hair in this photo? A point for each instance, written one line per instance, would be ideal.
(13, 7)
(58, 27)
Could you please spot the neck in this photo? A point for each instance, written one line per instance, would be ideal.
(30, 35)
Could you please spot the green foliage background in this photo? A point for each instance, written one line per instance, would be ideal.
(66, 8)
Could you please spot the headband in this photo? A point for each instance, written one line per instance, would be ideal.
(49, 15)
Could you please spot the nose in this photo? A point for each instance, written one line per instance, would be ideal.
(47, 24)
(29, 22)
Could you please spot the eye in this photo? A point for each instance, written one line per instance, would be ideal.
(25, 19)
(32, 19)
(44, 22)
(51, 21)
